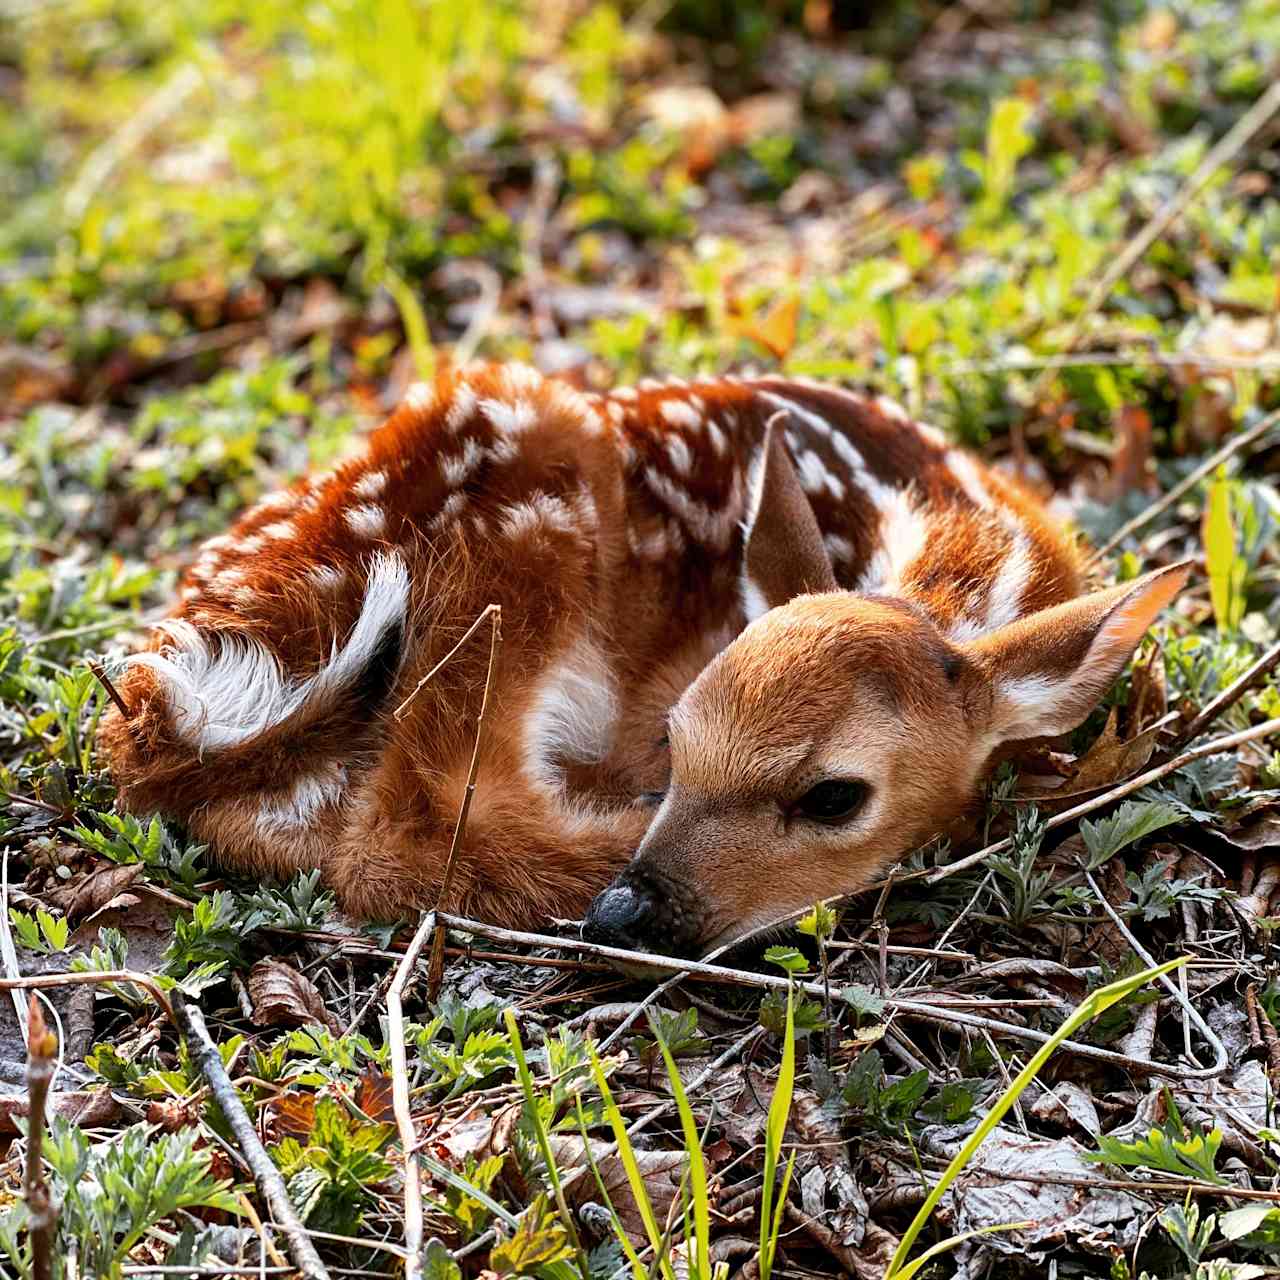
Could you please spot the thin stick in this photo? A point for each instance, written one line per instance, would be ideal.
(400, 1098)
(1264, 666)
(204, 1053)
(470, 631)
(435, 970)
(112, 692)
(42, 1046)
(1177, 992)
(1184, 486)
(1216, 747)
(99, 978)
(918, 1009)
(1225, 150)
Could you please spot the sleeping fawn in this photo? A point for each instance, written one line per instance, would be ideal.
(760, 638)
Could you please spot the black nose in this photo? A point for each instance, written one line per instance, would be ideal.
(619, 917)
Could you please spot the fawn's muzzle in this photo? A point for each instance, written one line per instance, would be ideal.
(643, 914)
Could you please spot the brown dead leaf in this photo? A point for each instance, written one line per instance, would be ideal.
(1148, 692)
(101, 889)
(374, 1098)
(284, 997)
(294, 1114)
(86, 1108)
(1110, 759)
(661, 1171)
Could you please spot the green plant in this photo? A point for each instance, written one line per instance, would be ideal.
(775, 1127)
(332, 1175)
(113, 1193)
(1103, 998)
(42, 932)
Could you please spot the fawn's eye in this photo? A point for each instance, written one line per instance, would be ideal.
(832, 802)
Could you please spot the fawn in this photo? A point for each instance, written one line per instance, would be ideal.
(761, 637)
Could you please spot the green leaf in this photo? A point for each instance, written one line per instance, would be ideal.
(1090, 1007)
(1008, 140)
(1132, 821)
(819, 923)
(1226, 566)
(775, 1128)
(787, 958)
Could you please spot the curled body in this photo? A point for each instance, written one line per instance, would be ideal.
(718, 598)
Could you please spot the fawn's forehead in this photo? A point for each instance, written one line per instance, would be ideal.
(818, 676)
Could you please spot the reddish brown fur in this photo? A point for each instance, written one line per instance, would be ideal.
(633, 554)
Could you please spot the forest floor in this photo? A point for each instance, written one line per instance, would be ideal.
(232, 234)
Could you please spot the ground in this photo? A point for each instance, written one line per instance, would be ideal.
(234, 233)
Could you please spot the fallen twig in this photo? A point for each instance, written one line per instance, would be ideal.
(1264, 666)
(435, 970)
(400, 1098)
(42, 1046)
(98, 978)
(204, 1053)
(915, 1009)
(1233, 446)
(1216, 747)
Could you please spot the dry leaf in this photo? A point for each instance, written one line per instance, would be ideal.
(101, 889)
(374, 1098)
(662, 1172)
(294, 1114)
(284, 997)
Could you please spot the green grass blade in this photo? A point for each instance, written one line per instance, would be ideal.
(544, 1143)
(945, 1246)
(1095, 1004)
(637, 1267)
(697, 1165)
(775, 1128)
(627, 1154)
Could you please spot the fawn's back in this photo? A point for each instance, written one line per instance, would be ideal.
(629, 539)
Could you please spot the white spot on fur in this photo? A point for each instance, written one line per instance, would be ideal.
(969, 478)
(450, 509)
(503, 451)
(1004, 604)
(512, 419)
(754, 605)
(541, 511)
(229, 692)
(420, 396)
(815, 478)
(457, 469)
(680, 413)
(719, 442)
(902, 538)
(281, 531)
(367, 522)
(462, 407)
(707, 527)
(370, 485)
(838, 548)
(572, 716)
(521, 379)
(251, 545)
(300, 804)
(625, 393)
(616, 412)
(681, 458)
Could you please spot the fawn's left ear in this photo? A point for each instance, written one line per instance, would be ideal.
(1051, 668)
(784, 555)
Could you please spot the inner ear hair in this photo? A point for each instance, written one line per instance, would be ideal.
(784, 555)
(1047, 671)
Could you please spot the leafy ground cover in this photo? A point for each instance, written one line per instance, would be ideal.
(234, 233)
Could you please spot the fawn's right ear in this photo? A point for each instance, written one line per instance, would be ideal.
(784, 556)
(1051, 668)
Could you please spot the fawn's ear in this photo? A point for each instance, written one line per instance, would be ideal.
(784, 555)
(1051, 668)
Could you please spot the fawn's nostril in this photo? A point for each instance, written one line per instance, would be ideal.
(617, 916)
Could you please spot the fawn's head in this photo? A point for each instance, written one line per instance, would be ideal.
(839, 731)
